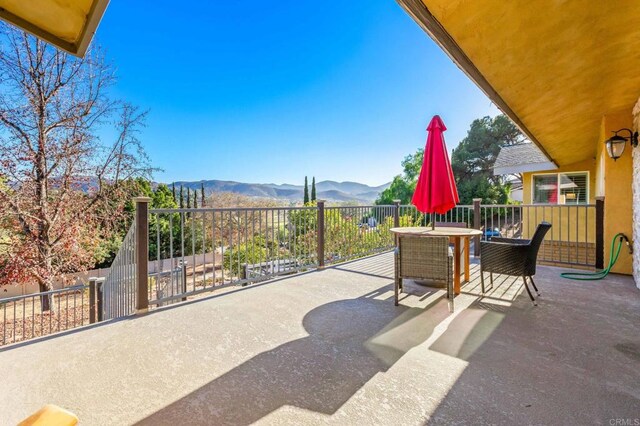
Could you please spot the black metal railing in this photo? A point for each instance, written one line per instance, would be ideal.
(23, 317)
(190, 251)
(352, 232)
(571, 240)
(196, 250)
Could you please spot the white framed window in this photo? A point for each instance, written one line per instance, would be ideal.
(561, 188)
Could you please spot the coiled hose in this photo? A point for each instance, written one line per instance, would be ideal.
(613, 257)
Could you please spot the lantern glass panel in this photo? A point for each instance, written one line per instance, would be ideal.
(615, 148)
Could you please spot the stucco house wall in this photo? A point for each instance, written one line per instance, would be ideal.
(635, 186)
(564, 221)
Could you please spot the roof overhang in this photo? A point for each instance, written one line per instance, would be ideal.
(67, 24)
(555, 68)
(523, 168)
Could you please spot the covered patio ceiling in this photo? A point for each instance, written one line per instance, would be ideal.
(555, 67)
(67, 24)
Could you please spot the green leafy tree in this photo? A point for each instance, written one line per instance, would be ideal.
(306, 191)
(472, 161)
(403, 185)
(162, 198)
(251, 252)
(109, 245)
(313, 189)
(303, 220)
(351, 233)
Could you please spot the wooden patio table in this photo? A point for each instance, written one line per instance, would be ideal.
(454, 234)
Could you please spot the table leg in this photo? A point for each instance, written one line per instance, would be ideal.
(456, 265)
(467, 257)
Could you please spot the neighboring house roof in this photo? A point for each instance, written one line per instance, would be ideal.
(68, 25)
(521, 158)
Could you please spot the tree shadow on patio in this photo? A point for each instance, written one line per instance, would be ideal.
(349, 342)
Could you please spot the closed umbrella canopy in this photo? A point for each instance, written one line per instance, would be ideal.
(436, 191)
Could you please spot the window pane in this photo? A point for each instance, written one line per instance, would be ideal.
(573, 188)
(545, 189)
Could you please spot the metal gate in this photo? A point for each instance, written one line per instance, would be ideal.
(119, 288)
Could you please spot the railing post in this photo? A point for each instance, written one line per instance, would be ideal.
(476, 225)
(320, 230)
(99, 299)
(183, 275)
(599, 232)
(142, 253)
(92, 300)
(396, 213)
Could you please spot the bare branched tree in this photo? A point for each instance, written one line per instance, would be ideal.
(59, 181)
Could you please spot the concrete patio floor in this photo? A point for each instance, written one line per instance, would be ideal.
(330, 347)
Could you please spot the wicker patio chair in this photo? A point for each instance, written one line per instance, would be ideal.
(512, 256)
(424, 258)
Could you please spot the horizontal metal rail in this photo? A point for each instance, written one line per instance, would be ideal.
(192, 251)
(211, 248)
(227, 209)
(357, 231)
(570, 242)
(26, 317)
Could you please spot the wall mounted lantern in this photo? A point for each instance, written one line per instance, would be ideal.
(616, 143)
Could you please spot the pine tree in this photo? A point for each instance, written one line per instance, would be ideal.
(195, 198)
(202, 202)
(173, 191)
(188, 198)
(313, 189)
(181, 198)
(306, 191)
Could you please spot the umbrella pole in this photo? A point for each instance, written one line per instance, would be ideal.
(433, 221)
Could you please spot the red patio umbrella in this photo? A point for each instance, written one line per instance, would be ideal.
(436, 190)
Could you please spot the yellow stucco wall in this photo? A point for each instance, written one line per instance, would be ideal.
(616, 177)
(607, 178)
(570, 223)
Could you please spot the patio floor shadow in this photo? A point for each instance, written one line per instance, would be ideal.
(330, 347)
(349, 342)
(574, 359)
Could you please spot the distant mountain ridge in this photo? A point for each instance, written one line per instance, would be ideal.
(326, 190)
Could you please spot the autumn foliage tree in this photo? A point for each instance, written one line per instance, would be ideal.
(61, 193)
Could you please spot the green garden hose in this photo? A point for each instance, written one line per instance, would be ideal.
(613, 257)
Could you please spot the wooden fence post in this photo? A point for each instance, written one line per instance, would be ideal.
(142, 253)
(320, 231)
(599, 232)
(476, 225)
(396, 213)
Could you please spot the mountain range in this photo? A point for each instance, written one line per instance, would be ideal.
(325, 190)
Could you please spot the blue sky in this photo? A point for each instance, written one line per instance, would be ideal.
(273, 91)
